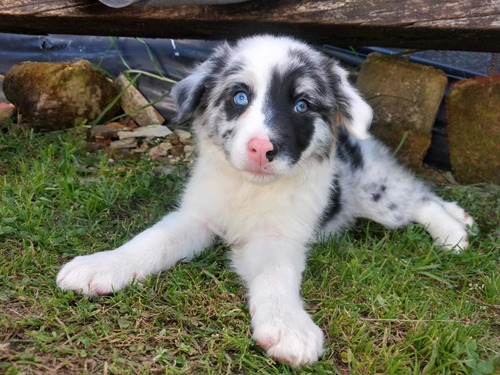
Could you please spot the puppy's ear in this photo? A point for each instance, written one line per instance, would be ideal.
(188, 93)
(355, 113)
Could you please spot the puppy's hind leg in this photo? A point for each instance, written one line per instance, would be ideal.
(394, 198)
(178, 236)
(446, 222)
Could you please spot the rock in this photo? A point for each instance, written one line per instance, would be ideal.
(189, 142)
(188, 150)
(174, 139)
(165, 146)
(132, 100)
(59, 95)
(124, 143)
(7, 112)
(405, 97)
(94, 146)
(116, 154)
(473, 113)
(141, 149)
(157, 153)
(177, 150)
(146, 131)
(109, 131)
(183, 135)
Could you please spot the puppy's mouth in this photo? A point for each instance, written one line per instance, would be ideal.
(260, 175)
(257, 171)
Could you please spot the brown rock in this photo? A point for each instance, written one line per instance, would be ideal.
(120, 154)
(141, 149)
(183, 135)
(405, 97)
(132, 100)
(157, 153)
(177, 150)
(109, 131)
(174, 139)
(59, 95)
(165, 145)
(93, 146)
(473, 112)
(124, 144)
(7, 112)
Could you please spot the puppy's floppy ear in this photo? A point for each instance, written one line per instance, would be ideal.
(188, 93)
(355, 113)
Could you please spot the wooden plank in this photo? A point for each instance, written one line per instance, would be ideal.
(426, 24)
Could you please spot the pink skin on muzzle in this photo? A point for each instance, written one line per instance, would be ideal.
(257, 148)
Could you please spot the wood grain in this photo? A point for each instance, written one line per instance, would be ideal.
(426, 24)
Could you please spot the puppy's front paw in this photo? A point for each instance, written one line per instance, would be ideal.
(288, 336)
(96, 274)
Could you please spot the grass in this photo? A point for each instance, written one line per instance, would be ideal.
(389, 302)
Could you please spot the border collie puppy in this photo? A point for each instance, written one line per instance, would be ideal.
(283, 154)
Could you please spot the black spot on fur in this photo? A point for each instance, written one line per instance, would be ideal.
(228, 134)
(348, 151)
(334, 204)
(376, 197)
(392, 206)
(293, 130)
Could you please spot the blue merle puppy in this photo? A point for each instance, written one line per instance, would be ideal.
(283, 154)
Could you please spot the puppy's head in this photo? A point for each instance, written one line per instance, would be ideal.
(269, 104)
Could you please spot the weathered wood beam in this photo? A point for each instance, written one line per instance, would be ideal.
(425, 24)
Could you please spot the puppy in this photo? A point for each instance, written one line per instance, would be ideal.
(283, 153)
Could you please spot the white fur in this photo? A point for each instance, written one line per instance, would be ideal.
(269, 218)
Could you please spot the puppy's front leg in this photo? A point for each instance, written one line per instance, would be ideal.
(178, 236)
(272, 269)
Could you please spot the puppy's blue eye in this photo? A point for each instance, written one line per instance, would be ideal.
(241, 98)
(301, 106)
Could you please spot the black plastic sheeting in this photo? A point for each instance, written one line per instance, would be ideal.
(174, 58)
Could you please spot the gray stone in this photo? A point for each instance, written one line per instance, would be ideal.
(146, 131)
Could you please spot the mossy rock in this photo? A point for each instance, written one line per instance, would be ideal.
(59, 95)
(473, 112)
(405, 97)
(414, 147)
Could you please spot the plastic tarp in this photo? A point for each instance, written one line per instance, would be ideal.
(173, 58)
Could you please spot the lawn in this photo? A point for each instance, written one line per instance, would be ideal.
(389, 302)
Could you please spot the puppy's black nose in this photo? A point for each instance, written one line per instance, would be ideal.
(270, 155)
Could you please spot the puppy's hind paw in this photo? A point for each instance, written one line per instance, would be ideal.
(462, 216)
